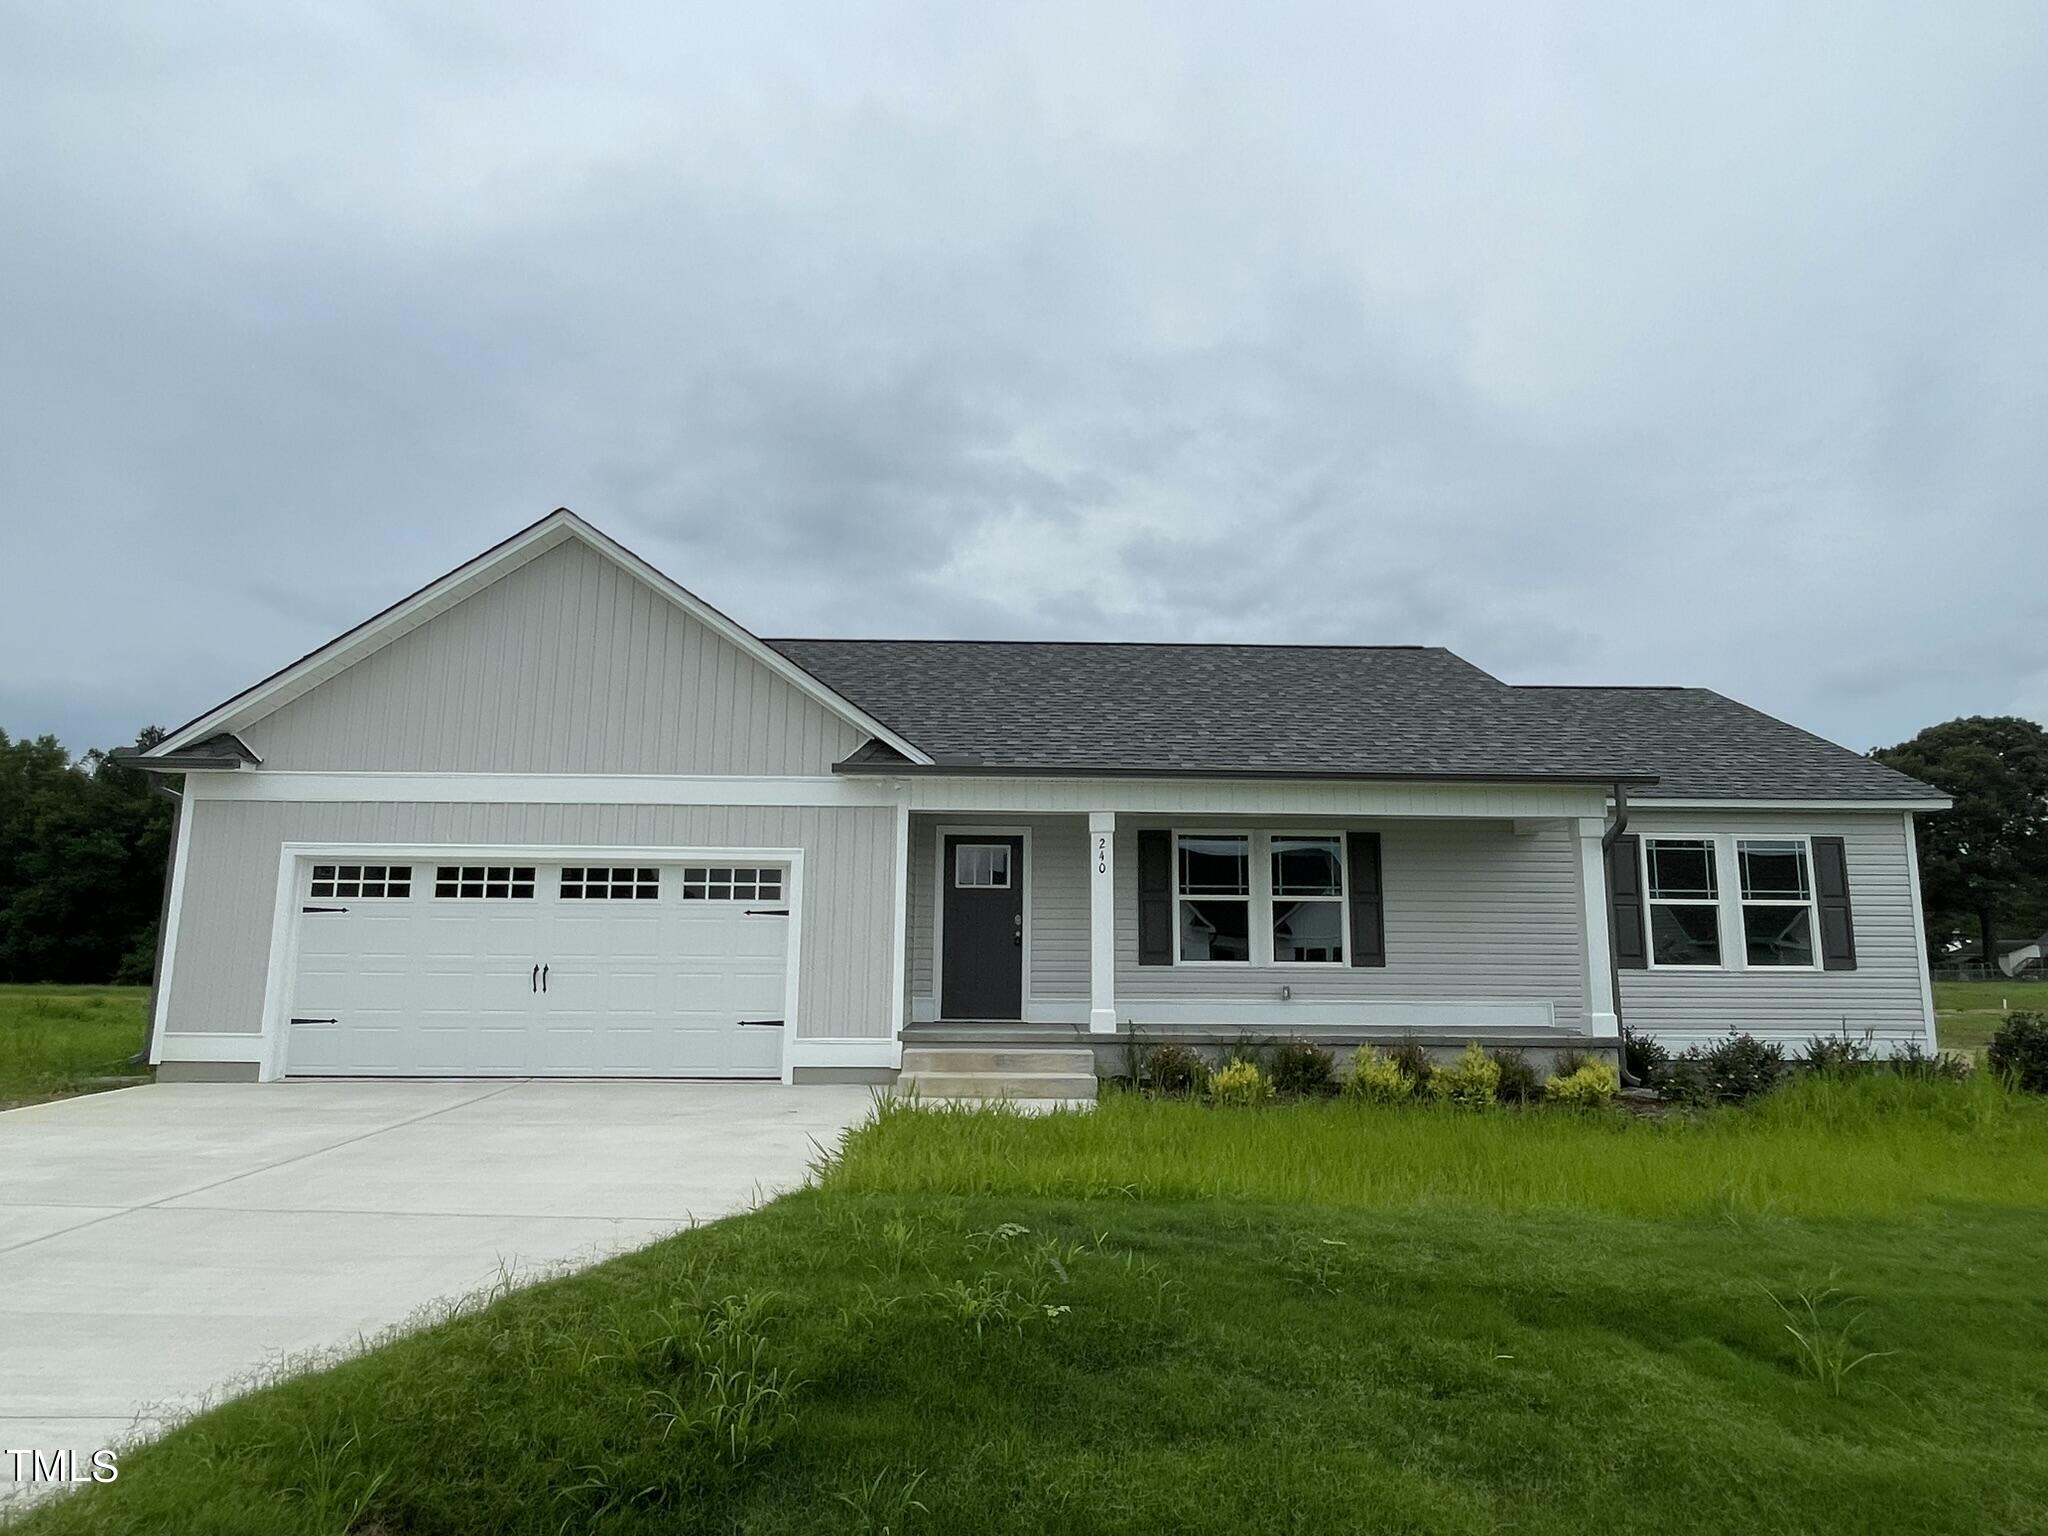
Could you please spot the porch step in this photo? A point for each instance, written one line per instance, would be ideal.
(1036, 1079)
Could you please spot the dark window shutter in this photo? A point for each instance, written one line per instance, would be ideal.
(1155, 898)
(1625, 903)
(1368, 900)
(1831, 884)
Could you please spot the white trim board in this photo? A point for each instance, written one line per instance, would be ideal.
(437, 597)
(1893, 807)
(181, 861)
(1248, 799)
(545, 789)
(1919, 928)
(864, 1051)
(1275, 1015)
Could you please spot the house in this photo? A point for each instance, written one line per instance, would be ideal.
(554, 814)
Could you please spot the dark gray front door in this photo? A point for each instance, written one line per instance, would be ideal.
(982, 965)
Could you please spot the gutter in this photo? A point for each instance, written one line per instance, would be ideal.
(1609, 835)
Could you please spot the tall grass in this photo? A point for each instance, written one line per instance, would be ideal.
(58, 1039)
(1869, 1145)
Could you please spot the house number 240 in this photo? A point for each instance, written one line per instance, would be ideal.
(1102, 855)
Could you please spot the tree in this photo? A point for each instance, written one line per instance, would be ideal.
(82, 849)
(1986, 859)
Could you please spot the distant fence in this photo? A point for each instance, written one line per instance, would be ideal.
(1979, 970)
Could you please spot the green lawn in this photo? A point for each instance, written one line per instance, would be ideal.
(1966, 1012)
(60, 1040)
(1163, 1317)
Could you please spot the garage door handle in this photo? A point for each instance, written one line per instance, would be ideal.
(316, 1021)
(543, 978)
(536, 978)
(768, 912)
(323, 909)
(760, 1023)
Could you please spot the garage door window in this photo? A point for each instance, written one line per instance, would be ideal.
(719, 882)
(602, 882)
(487, 882)
(363, 881)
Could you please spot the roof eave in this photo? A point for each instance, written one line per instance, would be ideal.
(871, 769)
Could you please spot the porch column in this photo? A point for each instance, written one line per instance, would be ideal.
(1602, 1019)
(1102, 922)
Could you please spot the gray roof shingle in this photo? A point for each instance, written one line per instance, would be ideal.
(1316, 711)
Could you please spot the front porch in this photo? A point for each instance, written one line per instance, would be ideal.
(1116, 929)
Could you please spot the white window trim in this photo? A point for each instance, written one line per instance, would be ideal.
(1259, 848)
(1811, 903)
(1718, 901)
(1728, 902)
(1009, 874)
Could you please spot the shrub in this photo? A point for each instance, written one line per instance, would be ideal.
(2019, 1051)
(1836, 1054)
(1731, 1071)
(1683, 1080)
(1567, 1061)
(1412, 1058)
(1175, 1069)
(1593, 1084)
(1303, 1070)
(1912, 1060)
(1645, 1056)
(1519, 1082)
(1240, 1082)
(1470, 1080)
(1377, 1080)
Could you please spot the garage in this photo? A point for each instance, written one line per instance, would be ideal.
(498, 964)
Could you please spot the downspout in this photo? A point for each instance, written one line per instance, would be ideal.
(1617, 825)
(163, 915)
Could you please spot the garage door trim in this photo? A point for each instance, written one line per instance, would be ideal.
(292, 856)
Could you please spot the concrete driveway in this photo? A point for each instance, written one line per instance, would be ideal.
(161, 1244)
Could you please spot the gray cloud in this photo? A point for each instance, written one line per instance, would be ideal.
(1650, 345)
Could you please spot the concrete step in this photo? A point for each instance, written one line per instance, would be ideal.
(956, 1059)
(998, 1085)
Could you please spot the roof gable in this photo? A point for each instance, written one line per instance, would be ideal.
(465, 581)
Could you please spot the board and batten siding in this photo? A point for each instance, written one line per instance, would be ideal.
(1883, 994)
(1057, 906)
(222, 955)
(566, 664)
(1474, 912)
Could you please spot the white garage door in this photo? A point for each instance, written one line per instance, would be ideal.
(540, 970)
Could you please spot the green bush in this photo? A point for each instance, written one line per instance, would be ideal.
(1377, 1079)
(1412, 1057)
(2019, 1051)
(1836, 1053)
(1471, 1080)
(1301, 1070)
(1519, 1082)
(1730, 1071)
(1912, 1060)
(1645, 1056)
(1175, 1069)
(1567, 1061)
(1592, 1085)
(1240, 1083)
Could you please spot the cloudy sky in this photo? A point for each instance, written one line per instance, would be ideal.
(1628, 343)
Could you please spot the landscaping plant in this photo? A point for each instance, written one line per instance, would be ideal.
(1519, 1082)
(1595, 1083)
(1645, 1056)
(1836, 1053)
(1471, 1080)
(1303, 1071)
(2019, 1051)
(1240, 1082)
(1413, 1058)
(1175, 1069)
(1375, 1079)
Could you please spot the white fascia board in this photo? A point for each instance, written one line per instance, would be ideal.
(1252, 797)
(547, 789)
(437, 597)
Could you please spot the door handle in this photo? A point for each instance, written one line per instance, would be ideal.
(1017, 929)
(536, 978)
(543, 978)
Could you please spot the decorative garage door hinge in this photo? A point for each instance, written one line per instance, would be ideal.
(760, 1023)
(323, 909)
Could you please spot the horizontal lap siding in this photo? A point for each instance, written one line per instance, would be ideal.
(568, 664)
(1474, 912)
(1881, 995)
(230, 888)
(1058, 902)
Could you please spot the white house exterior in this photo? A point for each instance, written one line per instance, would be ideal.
(554, 815)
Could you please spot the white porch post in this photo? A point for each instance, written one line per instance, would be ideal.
(1602, 1018)
(1102, 922)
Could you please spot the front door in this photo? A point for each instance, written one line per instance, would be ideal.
(982, 958)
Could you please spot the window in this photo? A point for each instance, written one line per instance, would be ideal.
(1214, 896)
(1684, 901)
(471, 882)
(363, 881)
(598, 882)
(1777, 902)
(726, 882)
(981, 866)
(1308, 900)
